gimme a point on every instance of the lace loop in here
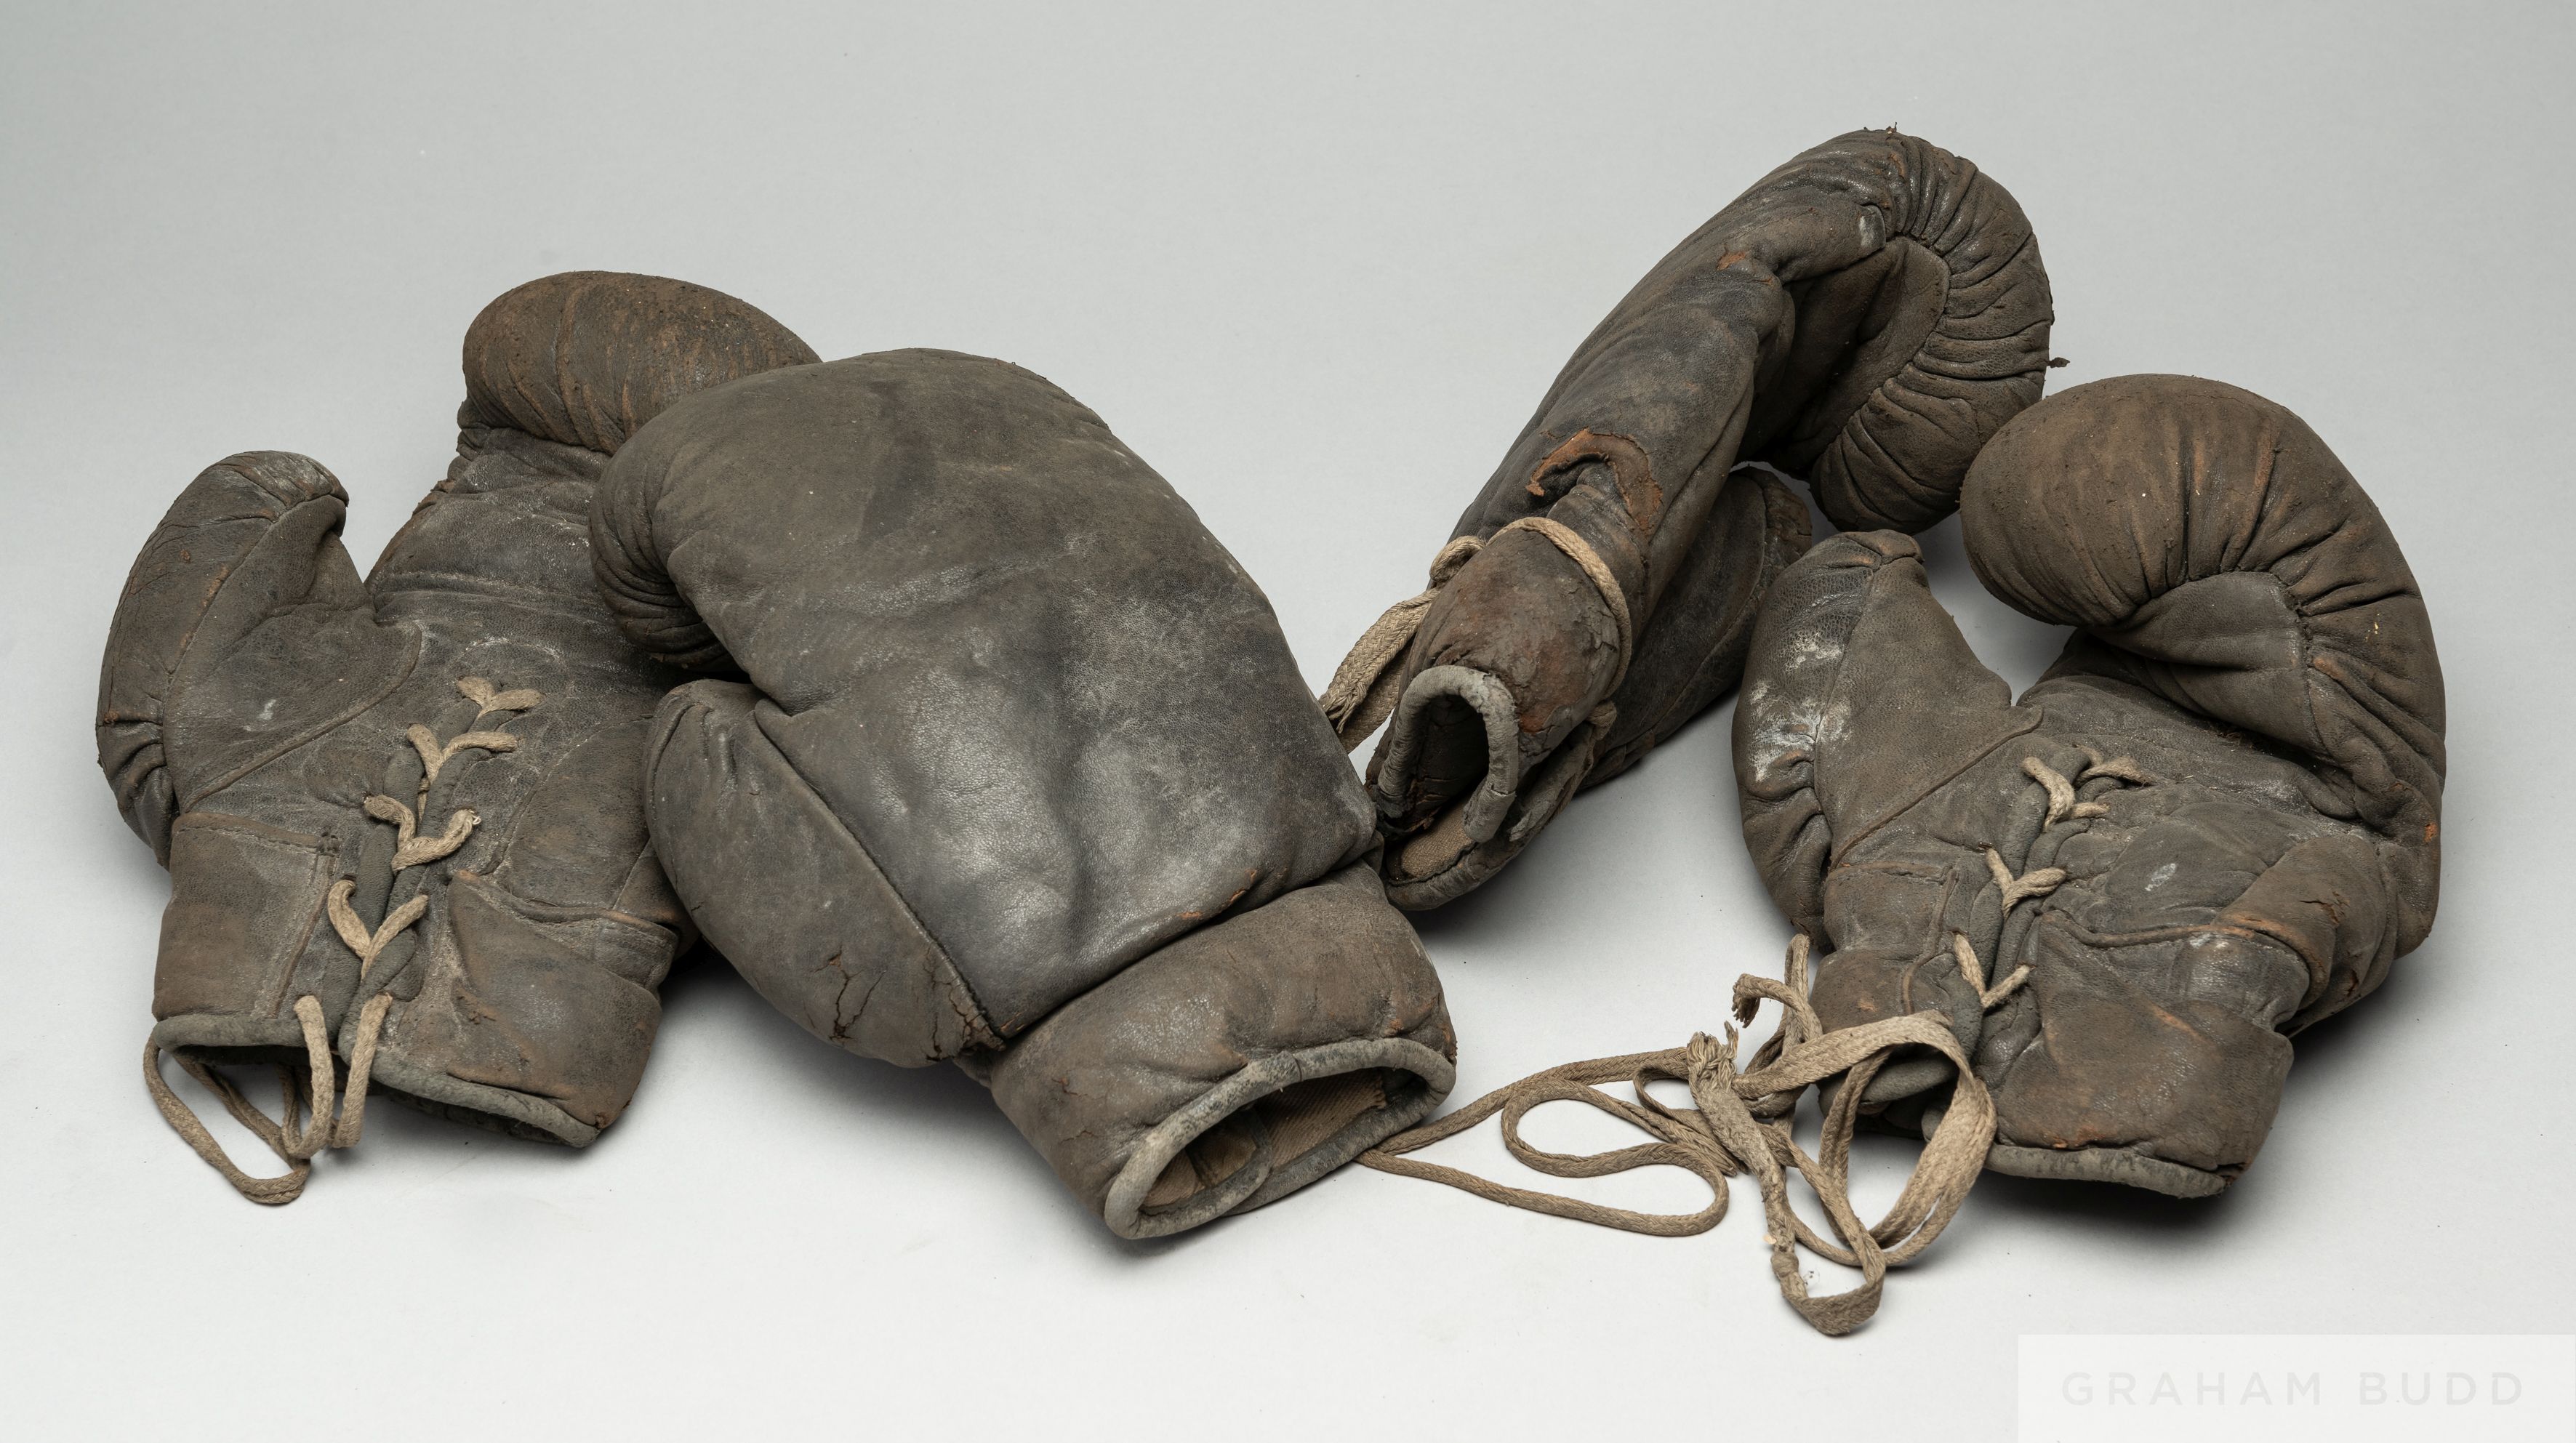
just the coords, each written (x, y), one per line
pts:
(1742, 1117)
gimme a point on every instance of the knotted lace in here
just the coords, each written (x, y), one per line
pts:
(1742, 1119)
(296, 1143)
(1741, 1124)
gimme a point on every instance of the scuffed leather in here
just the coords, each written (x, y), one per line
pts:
(1324, 987)
(1865, 317)
(255, 691)
(1012, 726)
(2250, 638)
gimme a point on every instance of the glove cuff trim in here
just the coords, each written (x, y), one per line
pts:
(478, 1105)
(1428, 1074)
(2107, 1164)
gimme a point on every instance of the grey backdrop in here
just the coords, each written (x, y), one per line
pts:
(1316, 267)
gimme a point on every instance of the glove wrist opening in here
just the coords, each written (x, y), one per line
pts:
(1270, 1129)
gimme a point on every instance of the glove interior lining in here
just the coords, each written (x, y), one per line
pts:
(1271, 1128)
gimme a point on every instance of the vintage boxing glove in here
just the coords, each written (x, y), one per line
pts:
(2214, 821)
(403, 817)
(1023, 776)
(1865, 317)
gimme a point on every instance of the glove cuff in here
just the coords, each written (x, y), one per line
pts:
(524, 1018)
(1237, 1064)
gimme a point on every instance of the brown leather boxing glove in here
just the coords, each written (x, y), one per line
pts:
(2214, 821)
(1020, 775)
(1865, 317)
(403, 816)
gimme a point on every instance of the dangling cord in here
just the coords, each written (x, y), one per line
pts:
(1742, 1119)
(292, 1148)
(322, 1096)
(1363, 691)
(1741, 1124)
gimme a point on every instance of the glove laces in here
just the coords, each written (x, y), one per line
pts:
(1741, 1124)
(1742, 1116)
(294, 1136)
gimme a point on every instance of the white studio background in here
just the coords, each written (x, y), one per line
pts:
(1316, 265)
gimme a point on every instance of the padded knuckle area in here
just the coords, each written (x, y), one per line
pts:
(285, 476)
(1938, 340)
(585, 358)
(2217, 554)
(2101, 499)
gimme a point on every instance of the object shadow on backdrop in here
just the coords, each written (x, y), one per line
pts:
(928, 1102)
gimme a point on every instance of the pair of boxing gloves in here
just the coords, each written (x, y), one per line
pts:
(1000, 759)
(996, 757)
(2213, 822)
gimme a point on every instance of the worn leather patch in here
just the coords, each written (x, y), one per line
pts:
(244, 898)
(539, 1005)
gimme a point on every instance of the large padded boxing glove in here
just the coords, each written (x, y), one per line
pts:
(2214, 821)
(1864, 317)
(403, 817)
(1023, 776)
